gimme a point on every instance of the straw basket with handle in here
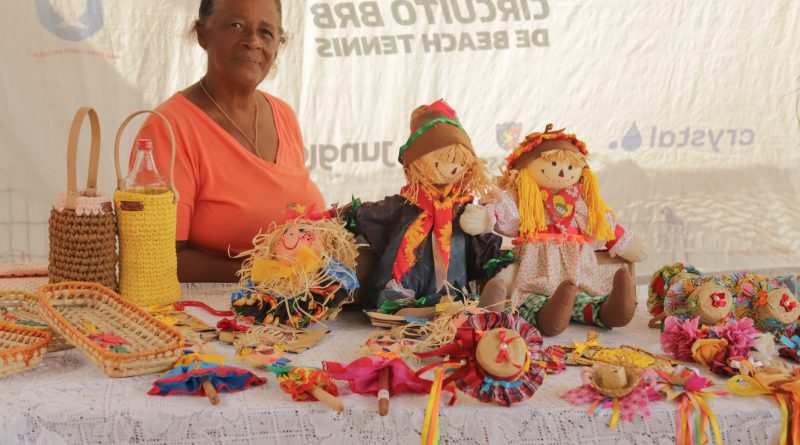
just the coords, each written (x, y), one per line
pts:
(148, 268)
(83, 233)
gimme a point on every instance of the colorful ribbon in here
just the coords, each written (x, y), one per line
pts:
(181, 305)
(488, 382)
(430, 427)
(780, 386)
(791, 343)
(695, 420)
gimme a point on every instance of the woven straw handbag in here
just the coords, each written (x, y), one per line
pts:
(119, 337)
(83, 233)
(148, 266)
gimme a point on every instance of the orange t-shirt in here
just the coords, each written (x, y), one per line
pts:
(227, 194)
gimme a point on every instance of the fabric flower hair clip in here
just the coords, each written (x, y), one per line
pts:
(717, 347)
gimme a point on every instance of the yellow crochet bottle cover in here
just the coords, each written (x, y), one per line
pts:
(148, 263)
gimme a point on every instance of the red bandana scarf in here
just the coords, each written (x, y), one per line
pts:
(436, 216)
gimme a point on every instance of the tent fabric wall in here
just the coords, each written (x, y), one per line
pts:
(689, 109)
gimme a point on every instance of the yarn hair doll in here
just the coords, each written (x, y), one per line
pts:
(548, 200)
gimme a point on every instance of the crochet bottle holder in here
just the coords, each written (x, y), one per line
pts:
(147, 227)
(82, 229)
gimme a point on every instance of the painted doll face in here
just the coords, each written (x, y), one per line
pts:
(386, 344)
(293, 238)
(555, 172)
(261, 354)
(446, 166)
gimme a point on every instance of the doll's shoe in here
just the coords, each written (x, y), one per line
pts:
(494, 295)
(554, 316)
(621, 304)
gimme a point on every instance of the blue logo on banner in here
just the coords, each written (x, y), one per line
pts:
(72, 20)
(631, 141)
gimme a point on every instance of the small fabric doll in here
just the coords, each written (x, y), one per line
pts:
(382, 372)
(304, 384)
(297, 273)
(423, 251)
(549, 201)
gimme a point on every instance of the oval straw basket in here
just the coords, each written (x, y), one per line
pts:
(21, 308)
(119, 337)
(21, 348)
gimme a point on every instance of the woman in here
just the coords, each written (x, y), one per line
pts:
(240, 158)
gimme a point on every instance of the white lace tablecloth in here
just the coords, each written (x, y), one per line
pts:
(68, 400)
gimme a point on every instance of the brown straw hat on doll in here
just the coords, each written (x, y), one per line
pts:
(539, 142)
(432, 127)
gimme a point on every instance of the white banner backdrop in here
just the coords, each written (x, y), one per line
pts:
(689, 109)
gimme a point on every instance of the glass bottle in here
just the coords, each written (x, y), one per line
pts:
(144, 177)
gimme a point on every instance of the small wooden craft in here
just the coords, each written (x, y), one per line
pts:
(21, 308)
(119, 337)
(21, 348)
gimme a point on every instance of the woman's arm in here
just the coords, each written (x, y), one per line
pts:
(198, 266)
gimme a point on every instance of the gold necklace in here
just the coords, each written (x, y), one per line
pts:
(253, 142)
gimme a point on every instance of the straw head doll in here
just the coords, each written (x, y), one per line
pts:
(297, 273)
(423, 252)
(549, 201)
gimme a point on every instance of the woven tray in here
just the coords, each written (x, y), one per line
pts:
(119, 337)
(18, 307)
(21, 348)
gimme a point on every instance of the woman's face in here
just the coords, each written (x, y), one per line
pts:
(241, 38)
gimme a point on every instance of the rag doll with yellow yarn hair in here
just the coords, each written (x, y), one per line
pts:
(549, 201)
(423, 253)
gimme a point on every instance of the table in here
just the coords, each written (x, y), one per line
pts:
(68, 400)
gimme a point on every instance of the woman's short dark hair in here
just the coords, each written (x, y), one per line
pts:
(207, 7)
